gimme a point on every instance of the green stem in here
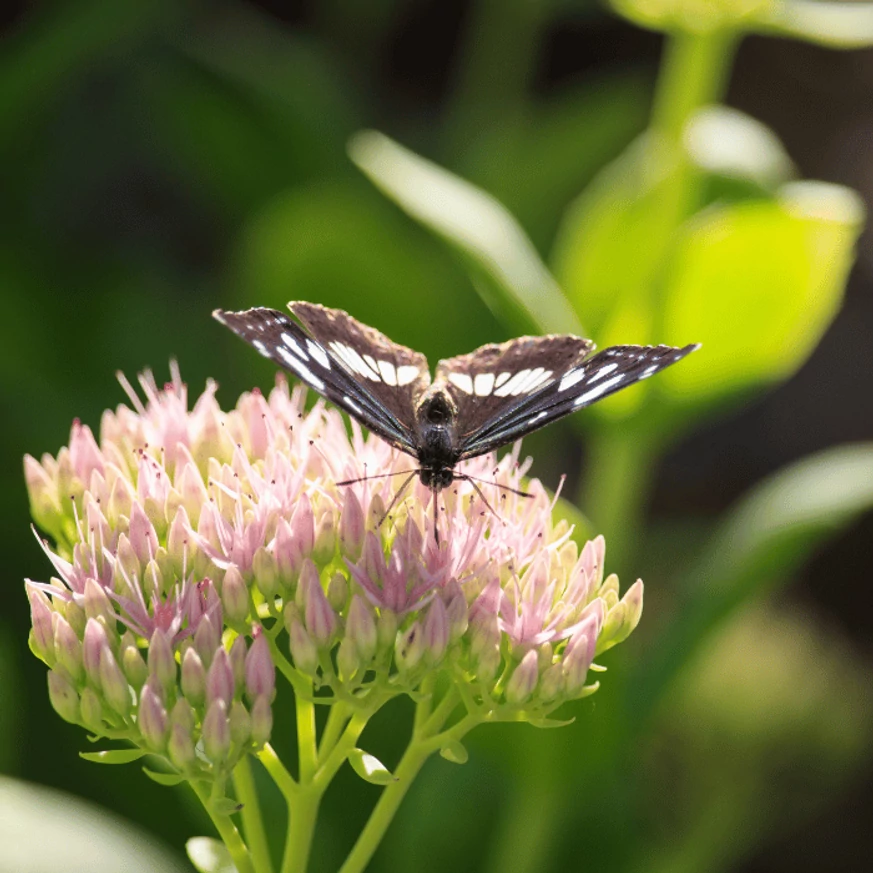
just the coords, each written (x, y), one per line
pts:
(347, 741)
(383, 813)
(230, 836)
(279, 773)
(253, 823)
(302, 817)
(337, 719)
(306, 739)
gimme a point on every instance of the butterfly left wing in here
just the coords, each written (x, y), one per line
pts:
(566, 389)
(278, 337)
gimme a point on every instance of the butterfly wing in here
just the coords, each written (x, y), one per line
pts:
(566, 389)
(313, 360)
(489, 382)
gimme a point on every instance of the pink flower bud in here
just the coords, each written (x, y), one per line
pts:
(240, 723)
(161, 660)
(351, 527)
(143, 538)
(152, 719)
(63, 697)
(321, 620)
(457, 616)
(523, 681)
(303, 651)
(386, 629)
(183, 715)
(181, 748)
(436, 630)
(303, 525)
(237, 656)
(260, 671)
(288, 554)
(551, 683)
(193, 677)
(265, 572)
(68, 649)
(129, 566)
(216, 732)
(361, 628)
(190, 485)
(219, 679)
(75, 615)
(93, 646)
(262, 721)
(43, 633)
(85, 454)
(180, 546)
(116, 691)
(235, 596)
(96, 602)
(120, 502)
(207, 638)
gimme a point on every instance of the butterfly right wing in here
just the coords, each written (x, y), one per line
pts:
(285, 343)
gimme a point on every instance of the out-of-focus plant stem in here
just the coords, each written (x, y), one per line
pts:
(253, 823)
(694, 74)
(495, 65)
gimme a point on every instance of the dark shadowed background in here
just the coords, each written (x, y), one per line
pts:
(160, 159)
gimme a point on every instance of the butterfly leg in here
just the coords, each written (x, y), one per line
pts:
(472, 479)
(377, 476)
(478, 490)
(396, 497)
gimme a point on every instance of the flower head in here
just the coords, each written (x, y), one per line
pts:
(195, 549)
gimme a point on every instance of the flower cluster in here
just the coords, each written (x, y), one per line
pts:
(197, 551)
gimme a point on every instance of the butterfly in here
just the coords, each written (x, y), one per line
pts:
(476, 403)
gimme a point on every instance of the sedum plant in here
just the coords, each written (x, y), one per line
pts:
(199, 554)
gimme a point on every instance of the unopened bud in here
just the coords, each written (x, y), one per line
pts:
(262, 721)
(436, 630)
(409, 648)
(216, 732)
(386, 629)
(325, 538)
(181, 747)
(523, 681)
(92, 710)
(93, 646)
(152, 719)
(266, 573)
(338, 591)
(63, 696)
(351, 527)
(116, 691)
(303, 650)
(193, 677)
(240, 723)
(361, 628)
(260, 673)
(235, 596)
(161, 661)
(347, 660)
(68, 649)
(219, 679)
(43, 642)
(96, 602)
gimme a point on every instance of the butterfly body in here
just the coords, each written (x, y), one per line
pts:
(476, 403)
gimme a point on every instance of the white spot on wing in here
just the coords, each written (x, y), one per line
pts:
(598, 390)
(483, 384)
(605, 370)
(301, 369)
(318, 353)
(502, 378)
(261, 348)
(511, 386)
(649, 371)
(462, 381)
(406, 374)
(293, 345)
(389, 374)
(571, 377)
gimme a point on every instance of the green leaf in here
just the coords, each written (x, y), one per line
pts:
(757, 283)
(548, 723)
(209, 855)
(770, 533)
(604, 255)
(837, 25)
(508, 271)
(369, 768)
(168, 779)
(456, 752)
(113, 756)
(726, 142)
(83, 836)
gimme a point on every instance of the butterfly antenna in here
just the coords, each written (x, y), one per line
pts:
(377, 476)
(396, 497)
(472, 479)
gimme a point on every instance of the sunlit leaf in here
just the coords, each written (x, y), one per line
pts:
(724, 141)
(168, 779)
(518, 286)
(757, 284)
(46, 831)
(209, 855)
(369, 768)
(834, 24)
(113, 756)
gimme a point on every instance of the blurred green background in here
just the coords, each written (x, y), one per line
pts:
(162, 158)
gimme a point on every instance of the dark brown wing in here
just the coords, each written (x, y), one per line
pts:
(395, 375)
(493, 379)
